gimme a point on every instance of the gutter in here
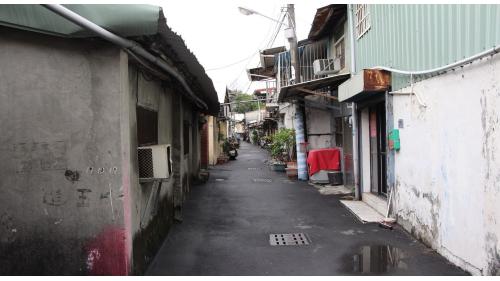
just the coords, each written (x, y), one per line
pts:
(491, 51)
(128, 45)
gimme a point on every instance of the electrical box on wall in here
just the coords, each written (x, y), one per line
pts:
(394, 143)
(154, 162)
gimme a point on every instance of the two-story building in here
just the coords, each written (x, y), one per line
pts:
(425, 91)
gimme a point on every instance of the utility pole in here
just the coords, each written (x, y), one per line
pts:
(291, 34)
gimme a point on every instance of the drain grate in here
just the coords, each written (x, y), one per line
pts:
(288, 239)
(262, 180)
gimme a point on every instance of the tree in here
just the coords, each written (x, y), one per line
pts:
(242, 107)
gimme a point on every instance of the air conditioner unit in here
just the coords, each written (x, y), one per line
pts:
(154, 162)
(326, 66)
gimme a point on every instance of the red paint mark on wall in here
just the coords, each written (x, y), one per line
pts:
(106, 254)
(373, 124)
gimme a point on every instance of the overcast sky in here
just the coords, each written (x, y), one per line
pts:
(219, 35)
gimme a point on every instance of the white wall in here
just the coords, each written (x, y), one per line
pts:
(448, 168)
(289, 120)
(365, 151)
(320, 133)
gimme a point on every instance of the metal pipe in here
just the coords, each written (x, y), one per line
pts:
(491, 51)
(354, 112)
(355, 152)
(351, 39)
(126, 44)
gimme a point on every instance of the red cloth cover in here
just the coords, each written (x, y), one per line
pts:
(323, 159)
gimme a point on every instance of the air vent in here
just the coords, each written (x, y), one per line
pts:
(326, 66)
(154, 162)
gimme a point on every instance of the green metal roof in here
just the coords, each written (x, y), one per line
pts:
(122, 20)
(125, 20)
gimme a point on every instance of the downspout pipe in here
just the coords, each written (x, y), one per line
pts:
(126, 44)
(354, 111)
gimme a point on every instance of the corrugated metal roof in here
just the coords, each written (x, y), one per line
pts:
(289, 92)
(325, 20)
(125, 21)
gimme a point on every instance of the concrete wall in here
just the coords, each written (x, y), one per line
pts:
(213, 140)
(319, 124)
(151, 207)
(289, 116)
(61, 192)
(448, 168)
(70, 198)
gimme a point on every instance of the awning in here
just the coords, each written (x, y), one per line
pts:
(307, 88)
(260, 73)
(325, 20)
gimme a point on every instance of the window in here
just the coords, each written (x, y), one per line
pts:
(362, 19)
(147, 126)
(340, 51)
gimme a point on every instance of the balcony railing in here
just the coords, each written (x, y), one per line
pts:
(308, 53)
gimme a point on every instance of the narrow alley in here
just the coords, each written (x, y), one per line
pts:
(227, 223)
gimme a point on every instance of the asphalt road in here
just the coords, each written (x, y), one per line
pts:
(228, 220)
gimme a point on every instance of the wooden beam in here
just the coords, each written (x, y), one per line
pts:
(316, 94)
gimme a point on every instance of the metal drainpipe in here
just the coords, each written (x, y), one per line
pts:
(126, 44)
(355, 145)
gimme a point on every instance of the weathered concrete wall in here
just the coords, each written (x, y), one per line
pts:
(213, 140)
(151, 207)
(288, 111)
(448, 168)
(61, 192)
(319, 127)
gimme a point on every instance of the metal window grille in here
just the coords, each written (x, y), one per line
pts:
(362, 16)
(145, 163)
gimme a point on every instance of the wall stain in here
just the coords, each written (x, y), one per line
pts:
(72, 176)
(54, 198)
(493, 254)
(83, 200)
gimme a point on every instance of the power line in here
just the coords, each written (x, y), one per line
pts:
(231, 64)
(270, 29)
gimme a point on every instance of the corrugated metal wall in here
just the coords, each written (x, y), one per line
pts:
(418, 37)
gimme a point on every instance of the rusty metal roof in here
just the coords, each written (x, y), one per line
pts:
(302, 89)
(325, 19)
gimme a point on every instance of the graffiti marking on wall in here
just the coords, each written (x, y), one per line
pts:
(54, 197)
(83, 200)
(40, 156)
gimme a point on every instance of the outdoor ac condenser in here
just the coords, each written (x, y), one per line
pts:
(326, 66)
(154, 162)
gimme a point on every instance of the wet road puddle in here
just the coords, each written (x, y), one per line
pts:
(378, 259)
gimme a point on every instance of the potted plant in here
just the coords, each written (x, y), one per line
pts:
(255, 137)
(282, 145)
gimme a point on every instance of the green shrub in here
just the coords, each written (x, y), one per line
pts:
(283, 144)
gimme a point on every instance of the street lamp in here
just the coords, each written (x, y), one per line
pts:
(248, 12)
